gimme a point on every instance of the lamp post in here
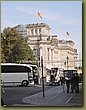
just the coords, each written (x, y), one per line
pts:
(67, 62)
(42, 76)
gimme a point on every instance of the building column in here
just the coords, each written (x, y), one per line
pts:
(52, 57)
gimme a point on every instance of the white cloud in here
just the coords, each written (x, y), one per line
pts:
(49, 15)
(59, 17)
(27, 10)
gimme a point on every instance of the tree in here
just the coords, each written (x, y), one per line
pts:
(14, 47)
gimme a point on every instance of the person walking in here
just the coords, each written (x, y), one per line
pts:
(73, 83)
(77, 83)
(61, 80)
(67, 84)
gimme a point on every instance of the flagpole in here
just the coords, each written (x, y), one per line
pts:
(67, 34)
(39, 16)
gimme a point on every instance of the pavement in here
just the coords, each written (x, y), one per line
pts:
(55, 96)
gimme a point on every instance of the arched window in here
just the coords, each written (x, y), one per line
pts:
(32, 31)
(35, 31)
(40, 31)
(48, 53)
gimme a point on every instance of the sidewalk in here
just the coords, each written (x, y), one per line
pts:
(54, 97)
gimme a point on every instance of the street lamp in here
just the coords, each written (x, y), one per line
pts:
(67, 61)
(42, 76)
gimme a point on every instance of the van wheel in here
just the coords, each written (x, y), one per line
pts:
(24, 83)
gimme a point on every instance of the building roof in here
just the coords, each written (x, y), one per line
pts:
(38, 25)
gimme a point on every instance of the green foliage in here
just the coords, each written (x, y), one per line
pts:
(14, 48)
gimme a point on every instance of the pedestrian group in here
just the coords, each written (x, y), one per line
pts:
(73, 82)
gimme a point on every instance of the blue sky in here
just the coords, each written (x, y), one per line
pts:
(61, 16)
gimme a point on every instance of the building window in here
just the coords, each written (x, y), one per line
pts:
(32, 31)
(40, 31)
(48, 53)
(35, 31)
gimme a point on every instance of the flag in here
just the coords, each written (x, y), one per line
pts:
(39, 14)
(67, 33)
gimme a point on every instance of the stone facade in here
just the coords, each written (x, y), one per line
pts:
(53, 50)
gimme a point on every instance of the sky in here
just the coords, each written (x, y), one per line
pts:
(61, 16)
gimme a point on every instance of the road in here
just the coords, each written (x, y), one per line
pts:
(14, 95)
(25, 96)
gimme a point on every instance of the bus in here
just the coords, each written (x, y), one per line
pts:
(35, 71)
(16, 74)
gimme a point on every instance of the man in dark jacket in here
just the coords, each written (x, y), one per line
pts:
(77, 82)
(73, 83)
